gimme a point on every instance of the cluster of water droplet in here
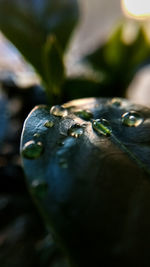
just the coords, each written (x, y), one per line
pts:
(33, 149)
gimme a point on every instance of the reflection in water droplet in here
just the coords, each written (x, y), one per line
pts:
(58, 111)
(102, 126)
(39, 188)
(132, 119)
(49, 124)
(63, 163)
(116, 102)
(32, 150)
(75, 131)
(84, 114)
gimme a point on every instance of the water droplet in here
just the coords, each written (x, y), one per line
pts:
(116, 102)
(39, 188)
(36, 135)
(60, 143)
(32, 150)
(75, 130)
(49, 124)
(84, 114)
(102, 126)
(63, 163)
(58, 111)
(132, 119)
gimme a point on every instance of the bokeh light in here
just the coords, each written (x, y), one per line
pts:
(138, 9)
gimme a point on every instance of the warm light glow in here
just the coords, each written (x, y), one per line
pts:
(139, 9)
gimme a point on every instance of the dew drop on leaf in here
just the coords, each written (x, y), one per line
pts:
(36, 135)
(75, 130)
(39, 188)
(49, 124)
(102, 126)
(60, 143)
(58, 111)
(32, 150)
(116, 102)
(132, 119)
(63, 163)
(84, 114)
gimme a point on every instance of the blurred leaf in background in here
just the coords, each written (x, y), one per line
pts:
(28, 25)
(53, 65)
(41, 31)
(119, 58)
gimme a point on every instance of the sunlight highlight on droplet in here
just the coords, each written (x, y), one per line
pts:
(138, 9)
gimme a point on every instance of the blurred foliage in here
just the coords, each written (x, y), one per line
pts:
(29, 25)
(41, 31)
(78, 87)
(54, 66)
(119, 60)
(115, 62)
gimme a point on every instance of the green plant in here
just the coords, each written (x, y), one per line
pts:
(86, 161)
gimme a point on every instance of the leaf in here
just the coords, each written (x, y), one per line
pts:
(54, 66)
(78, 87)
(119, 60)
(27, 24)
(91, 180)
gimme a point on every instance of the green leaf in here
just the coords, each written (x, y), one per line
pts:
(78, 87)
(91, 180)
(27, 24)
(54, 66)
(119, 60)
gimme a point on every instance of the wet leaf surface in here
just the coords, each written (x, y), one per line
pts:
(92, 181)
